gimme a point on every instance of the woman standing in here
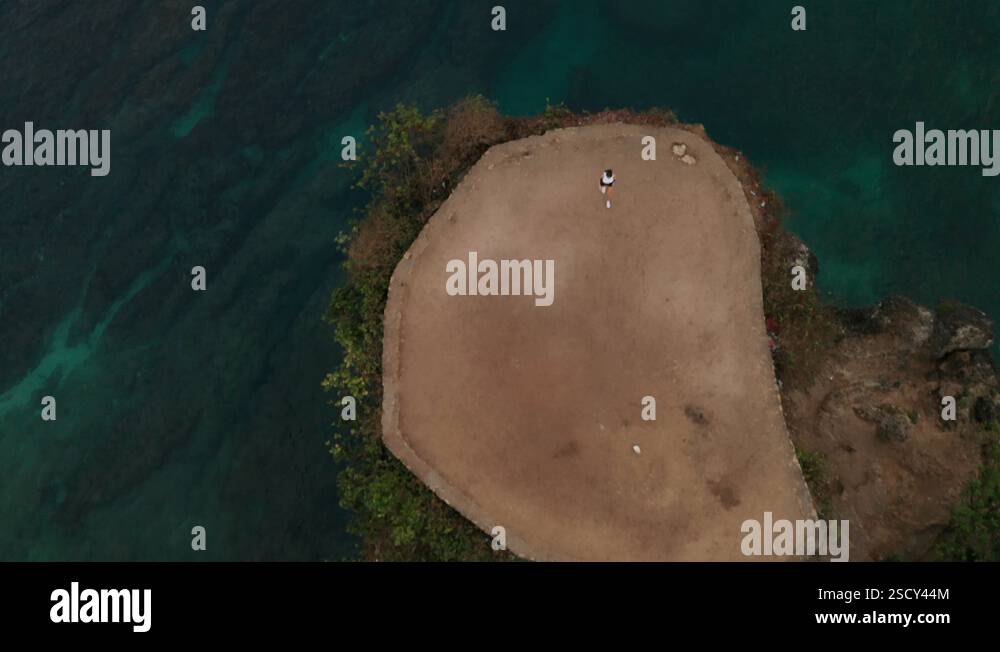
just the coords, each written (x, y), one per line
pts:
(608, 184)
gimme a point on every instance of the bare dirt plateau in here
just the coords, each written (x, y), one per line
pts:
(527, 416)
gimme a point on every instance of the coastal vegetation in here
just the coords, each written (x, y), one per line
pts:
(413, 162)
(803, 326)
(814, 472)
(974, 531)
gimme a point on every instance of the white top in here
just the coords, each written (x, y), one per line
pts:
(606, 180)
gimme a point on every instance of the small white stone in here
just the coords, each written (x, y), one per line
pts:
(688, 159)
(679, 149)
(636, 449)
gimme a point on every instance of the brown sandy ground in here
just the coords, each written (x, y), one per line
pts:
(526, 416)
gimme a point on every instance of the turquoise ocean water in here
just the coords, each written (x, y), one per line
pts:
(178, 409)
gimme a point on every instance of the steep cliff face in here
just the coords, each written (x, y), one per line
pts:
(887, 459)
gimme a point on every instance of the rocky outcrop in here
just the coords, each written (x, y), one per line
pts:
(958, 327)
(803, 255)
(892, 466)
(891, 422)
(894, 314)
(971, 378)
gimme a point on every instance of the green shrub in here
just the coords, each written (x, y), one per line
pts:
(813, 467)
(974, 531)
(808, 327)
(556, 115)
(395, 516)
